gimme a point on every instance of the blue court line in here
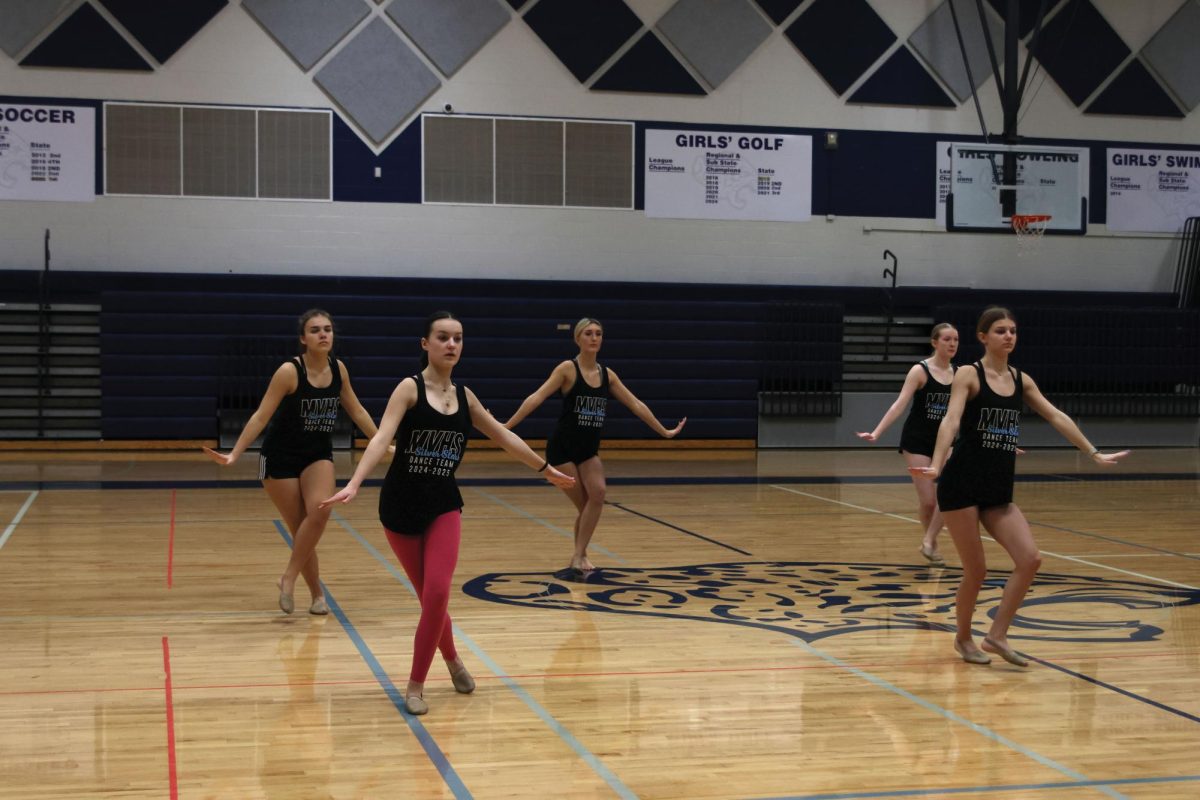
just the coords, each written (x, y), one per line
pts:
(440, 762)
(727, 480)
(12, 526)
(629, 510)
(1114, 540)
(953, 717)
(1016, 787)
(569, 534)
(615, 783)
(1105, 685)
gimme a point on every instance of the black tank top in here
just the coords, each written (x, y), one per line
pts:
(420, 484)
(303, 422)
(986, 451)
(584, 407)
(928, 407)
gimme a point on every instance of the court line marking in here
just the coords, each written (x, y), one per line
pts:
(609, 777)
(424, 738)
(12, 526)
(1016, 787)
(172, 772)
(700, 536)
(984, 731)
(1115, 540)
(990, 539)
(569, 534)
(1118, 690)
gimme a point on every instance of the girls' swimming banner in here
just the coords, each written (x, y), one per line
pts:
(1152, 190)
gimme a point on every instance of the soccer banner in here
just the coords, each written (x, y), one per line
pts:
(47, 152)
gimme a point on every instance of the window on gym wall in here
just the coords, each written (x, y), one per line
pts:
(227, 152)
(527, 162)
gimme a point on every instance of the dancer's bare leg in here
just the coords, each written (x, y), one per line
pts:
(964, 530)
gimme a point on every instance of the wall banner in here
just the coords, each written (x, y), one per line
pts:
(47, 152)
(1152, 190)
(728, 175)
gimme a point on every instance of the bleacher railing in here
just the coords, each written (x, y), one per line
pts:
(801, 360)
(1187, 269)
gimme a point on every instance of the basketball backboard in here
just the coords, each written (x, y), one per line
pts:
(991, 182)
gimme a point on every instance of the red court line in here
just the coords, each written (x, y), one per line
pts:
(171, 541)
(172, 775)
(558, 675)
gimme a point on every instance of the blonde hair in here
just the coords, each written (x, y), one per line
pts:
(583, 323)
(937, 330)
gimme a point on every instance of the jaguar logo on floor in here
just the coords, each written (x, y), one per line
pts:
(813, 600)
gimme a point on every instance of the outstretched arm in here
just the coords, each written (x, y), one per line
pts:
(514, 445)
(558, 381)
(283, 383)
(964, 387)
(913, 381)
(404, 397)
(1065, 425)
(354, 408)
(640, 409)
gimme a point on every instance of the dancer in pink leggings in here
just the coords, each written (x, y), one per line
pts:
(420, 505)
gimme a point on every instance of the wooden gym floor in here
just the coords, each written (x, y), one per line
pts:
(761, 627)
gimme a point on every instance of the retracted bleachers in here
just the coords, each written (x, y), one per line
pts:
(168, 362)
(1103, 361)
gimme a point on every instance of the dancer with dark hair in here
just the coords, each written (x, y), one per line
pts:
(574, 446)
(295, 465)
(976, 483)
(927, 385)
(420, 505)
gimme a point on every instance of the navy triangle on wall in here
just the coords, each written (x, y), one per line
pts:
(902, 81)
(85, 40)
(778, 10)
(1135, 93)
(648, 67)
(163, 28)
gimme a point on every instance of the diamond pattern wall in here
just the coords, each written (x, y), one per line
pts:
(583, 33)
(715, 36)
(841, 39)
(163, 28)
(449, 32)
(936, 41)
(307, 29)
(1175, 56)
(377, 80)
(24, 20)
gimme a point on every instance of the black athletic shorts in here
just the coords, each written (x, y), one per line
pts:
(278, 466)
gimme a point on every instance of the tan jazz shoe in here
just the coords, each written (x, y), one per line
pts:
(1007, 653)
(416, 705)
(972, 657)
(462, 680)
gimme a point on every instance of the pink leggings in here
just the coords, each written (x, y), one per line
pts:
(429, 561)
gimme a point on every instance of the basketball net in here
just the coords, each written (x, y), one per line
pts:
(1029, 229)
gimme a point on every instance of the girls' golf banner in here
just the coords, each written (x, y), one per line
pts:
(728, 175)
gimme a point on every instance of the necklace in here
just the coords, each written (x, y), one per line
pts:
(446, 394)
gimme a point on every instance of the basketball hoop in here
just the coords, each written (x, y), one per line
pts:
(1029, 229)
